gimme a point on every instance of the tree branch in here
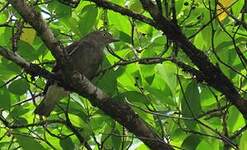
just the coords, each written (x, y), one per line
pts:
(213, 75)
(120, 111)
(32, 69)
(123, 11)
(36, 21)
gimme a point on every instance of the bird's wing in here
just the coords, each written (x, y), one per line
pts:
(72, 47)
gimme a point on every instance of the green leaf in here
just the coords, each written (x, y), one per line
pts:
(161, 91)
(5, 34)
(8, 69)
(124, 36)
(5, 101)
(235, 119)
(237, 7)
(156, 44)
(206, 35)
(142, 147)
(18, 111)
(243, 143)
(60, 9)
(108, 144)
(27, 51)
(206, 96)
(205, 144)
(108, 81)
(199, 41)
(191, 142)
(67, 144)
(76, 120)
(228, 56)
(179, 6)
(98, 122)
(119, 22)
(3, 17)
(221, 37)
(191, 106)
(167, 71)
(88, 18)
(148, 71)
(119, 2)
(134, 5)
(28, 143)
(73, 25)
(20, 121)
(18, 87)
(133, 96)
(116, 140)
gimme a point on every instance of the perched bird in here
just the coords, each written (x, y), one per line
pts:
(86, 57)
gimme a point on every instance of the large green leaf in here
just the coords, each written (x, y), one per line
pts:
(126, 80)
(60, 9)
(237, 7)
(67, 144)
(132, 96)
(161, 91)
(88, 18)
(28, 143)
(190, 103)
(18, 87)
(206, 96)
(234, 120)
(108, 81)
(5, 34)
(168, 72)
(8, 69)
(119, 22)
(191, 142)
(27, 51)
(18, 111)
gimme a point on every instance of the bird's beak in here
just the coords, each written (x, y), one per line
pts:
(115, 40)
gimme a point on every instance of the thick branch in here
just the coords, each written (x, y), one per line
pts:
(213, 75)
(36, 21)
(33, 69)
(123, 11)
(120, 111)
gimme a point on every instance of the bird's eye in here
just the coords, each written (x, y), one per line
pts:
(105, 34)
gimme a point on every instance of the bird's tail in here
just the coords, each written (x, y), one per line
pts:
(52, 96)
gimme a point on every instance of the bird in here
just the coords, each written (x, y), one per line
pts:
(86, 57)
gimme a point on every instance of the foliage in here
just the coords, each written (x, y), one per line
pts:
(176, 105)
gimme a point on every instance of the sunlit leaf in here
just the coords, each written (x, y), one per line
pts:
(243, 143)
(88, 18)
(28, 35)
(222, 7)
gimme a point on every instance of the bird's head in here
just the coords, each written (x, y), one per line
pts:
(103, 37)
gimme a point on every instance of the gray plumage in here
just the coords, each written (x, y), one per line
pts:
(86, 56)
